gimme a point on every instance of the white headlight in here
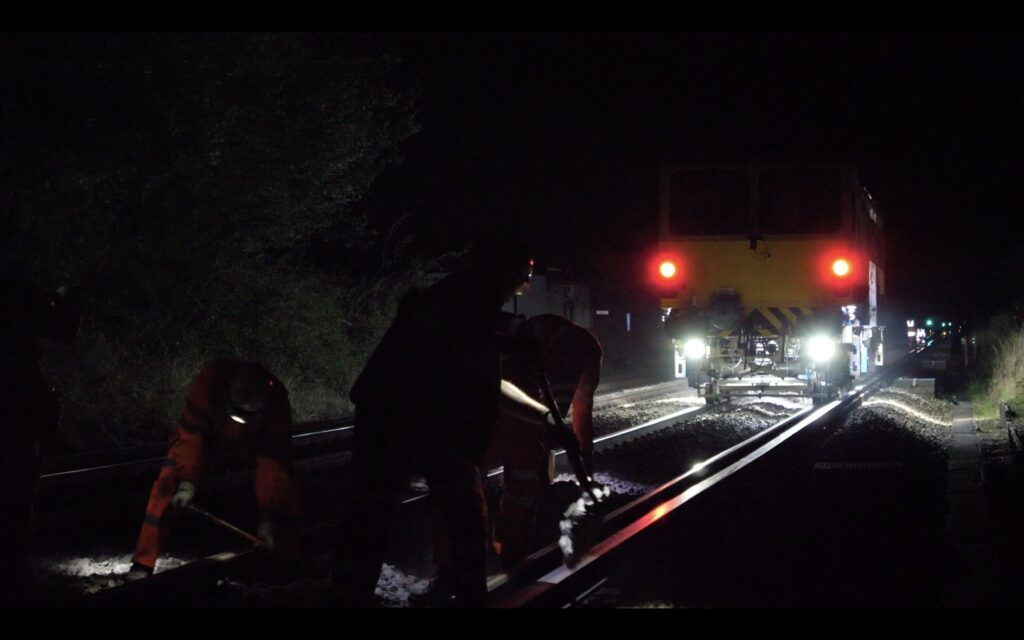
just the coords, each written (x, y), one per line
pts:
(694, 348)
(821, 348)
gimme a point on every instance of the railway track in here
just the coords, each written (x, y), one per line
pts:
(233, 563)
(105, 484)
(314, 435)
(543, 581)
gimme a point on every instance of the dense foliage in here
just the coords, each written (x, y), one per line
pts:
(179, 183)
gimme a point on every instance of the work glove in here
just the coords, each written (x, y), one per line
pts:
(183, 495)
(267, 531)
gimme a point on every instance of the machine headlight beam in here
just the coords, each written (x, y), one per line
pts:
(821, 348)
(694, 349)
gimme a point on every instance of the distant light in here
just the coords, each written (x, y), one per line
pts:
(238, 418)
(667, 269)
(841, 268)
(928, 322)
(601, 312)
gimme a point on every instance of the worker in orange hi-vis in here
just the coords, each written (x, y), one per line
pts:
(569, 357)
(233, 409)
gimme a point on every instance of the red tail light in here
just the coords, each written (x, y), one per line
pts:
(665, 273)
(840, 271)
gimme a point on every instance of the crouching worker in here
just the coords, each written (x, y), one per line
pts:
(233, 409)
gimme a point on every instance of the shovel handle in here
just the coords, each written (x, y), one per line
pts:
(225, 525)
(566, 436)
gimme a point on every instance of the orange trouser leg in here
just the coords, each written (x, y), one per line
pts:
(155, 526)
(524, 456)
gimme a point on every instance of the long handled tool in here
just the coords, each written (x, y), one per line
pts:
(581, 521)
(223, 524)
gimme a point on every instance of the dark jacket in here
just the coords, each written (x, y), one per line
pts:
(435, 377)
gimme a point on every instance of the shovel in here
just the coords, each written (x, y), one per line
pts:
(581, 521)
(223, 524)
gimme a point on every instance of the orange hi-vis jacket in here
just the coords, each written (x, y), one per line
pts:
(205, 435)
(571, 359)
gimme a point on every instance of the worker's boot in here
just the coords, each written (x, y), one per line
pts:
(138, 572)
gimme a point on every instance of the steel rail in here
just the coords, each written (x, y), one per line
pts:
(544, 581)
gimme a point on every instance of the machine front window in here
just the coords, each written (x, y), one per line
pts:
(709, 202)
(802, 200)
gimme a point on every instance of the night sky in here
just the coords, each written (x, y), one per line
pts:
(560, 136)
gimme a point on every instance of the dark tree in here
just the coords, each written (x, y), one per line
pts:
(178, 181)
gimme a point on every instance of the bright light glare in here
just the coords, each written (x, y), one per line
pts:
(667, 269)
(694, 348)
(840, 267)
(821, 348)
(238, 419)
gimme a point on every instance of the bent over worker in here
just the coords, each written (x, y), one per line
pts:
(569, 358)
(233, 409)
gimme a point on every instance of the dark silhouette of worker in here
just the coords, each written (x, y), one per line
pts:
(427, 400)
(234, 410)
(28, 413)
